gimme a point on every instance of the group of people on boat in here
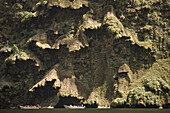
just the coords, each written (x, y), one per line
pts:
(30, 106)
(33, 106)
(74, 106)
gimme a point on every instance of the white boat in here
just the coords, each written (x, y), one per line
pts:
(29, 107)
(48, 107)
(160, 107)
(74, 107)
(103, 107)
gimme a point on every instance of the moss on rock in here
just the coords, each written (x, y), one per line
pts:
(110, 52)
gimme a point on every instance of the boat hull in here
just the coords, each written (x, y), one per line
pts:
(103, 108)
(24, 107)
(74, 107)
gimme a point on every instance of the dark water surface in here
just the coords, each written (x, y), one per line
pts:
(118, 110)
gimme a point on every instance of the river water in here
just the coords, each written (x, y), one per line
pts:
(88, 110)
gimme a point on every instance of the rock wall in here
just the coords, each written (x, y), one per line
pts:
(110, 53)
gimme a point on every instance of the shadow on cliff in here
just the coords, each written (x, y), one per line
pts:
(44, 95)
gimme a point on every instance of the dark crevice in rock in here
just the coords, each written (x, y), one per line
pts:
(43, 95)
(68, 101)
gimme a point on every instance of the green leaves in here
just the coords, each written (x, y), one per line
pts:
(139, 96)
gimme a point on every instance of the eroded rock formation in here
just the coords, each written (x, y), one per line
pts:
(113, 52)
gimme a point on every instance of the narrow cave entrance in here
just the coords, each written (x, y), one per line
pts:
(68, 100)
(73, 101)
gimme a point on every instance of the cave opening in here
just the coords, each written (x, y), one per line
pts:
(68, 100)
(44, 93)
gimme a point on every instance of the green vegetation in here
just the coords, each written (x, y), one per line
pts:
(102, 52)
(138, 96)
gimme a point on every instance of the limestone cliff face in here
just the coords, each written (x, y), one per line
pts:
(104, 52)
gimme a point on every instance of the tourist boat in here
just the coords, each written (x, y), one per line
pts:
(74, 107)
(48, 107)
(103, 107)
(29, 107)
(160, 107)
